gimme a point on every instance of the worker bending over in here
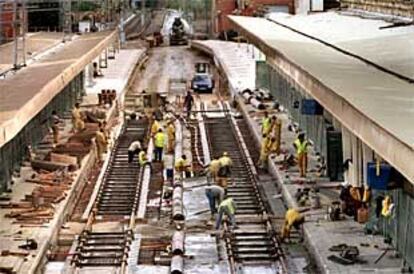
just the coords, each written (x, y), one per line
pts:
(225, 170)
(215, 195)
(292, 219)
(171, 137)
(142, 158)
(213, 169)
(159, 143)
(182, 165)
(134, 148)
(227, 207)
(101, 143)
(77, 119)
(301, 146)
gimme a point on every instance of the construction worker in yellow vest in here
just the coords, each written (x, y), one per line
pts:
(225, 170)
(227, 207)
(101, 143)
(264, 151)
(142, 158)
(171, 137)
(77, 119)
(155, 127)
(182, 165)
(266, 125)
(159, 143)
(301, 146)
(292, 219)
(276, 133)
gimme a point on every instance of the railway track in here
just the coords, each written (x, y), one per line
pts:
(254, 241)
(117, 200)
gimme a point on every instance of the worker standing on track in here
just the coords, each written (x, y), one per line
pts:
(159, 143)
(188, 103)
(266, 125)
(227, 207)
(225, 170)
(155, 127)
(215, 195)
(292, 219)
(142, 158)
(77, 119)
(276, 133)
(101, 143)
(181, 165)
(134, 148)
(171, 137)
(301, 146)
(169, 166)
(55, 126)
(264, 152)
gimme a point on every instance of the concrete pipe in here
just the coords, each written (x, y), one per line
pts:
(178, 212)
(178, 192)
(177, 265)
(178, 243)
(256, 103)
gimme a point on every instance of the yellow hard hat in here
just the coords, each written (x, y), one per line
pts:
(225, 154)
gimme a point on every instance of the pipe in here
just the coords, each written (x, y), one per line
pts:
(177, 204)
(146, 177)
(178, 243)
(177, 265)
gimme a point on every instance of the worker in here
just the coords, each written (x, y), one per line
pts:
(292, 219)
(104, 126)
(301, 146)
(266, 124)
(227, 207)
(77, 119)
(264, 151)
(168, 162)
(188, 103)
(55, 126)
(101, 143)
(214, 168)
(171, 136)
(159, 143)
(155, 127)
(181, 165)
(134, 148)
(276, 133)
(215, 195)
(225, 170)
(142, 158)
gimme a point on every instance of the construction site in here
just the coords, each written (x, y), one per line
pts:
(206, 136)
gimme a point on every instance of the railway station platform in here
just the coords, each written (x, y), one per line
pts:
(14, 233)
(36, 44)
(320, 234)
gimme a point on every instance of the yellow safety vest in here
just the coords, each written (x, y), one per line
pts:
(301, 147)
(291, 216)
(180, 163)
(171, 131)
(159, 139)
(228, 203)
(266, 125)
(142, 158)
(214, 166)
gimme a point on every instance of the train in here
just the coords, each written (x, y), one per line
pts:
(178, 35)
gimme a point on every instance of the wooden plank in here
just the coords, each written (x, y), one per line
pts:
(48, 165)
(62, 158)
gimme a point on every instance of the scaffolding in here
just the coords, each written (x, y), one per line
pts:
(13, 14)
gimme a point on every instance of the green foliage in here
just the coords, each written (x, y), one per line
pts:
(85, 6)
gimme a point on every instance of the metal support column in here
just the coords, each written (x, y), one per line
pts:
(67, 19)
(19, 33)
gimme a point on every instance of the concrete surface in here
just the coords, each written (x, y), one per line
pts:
(27, 92)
